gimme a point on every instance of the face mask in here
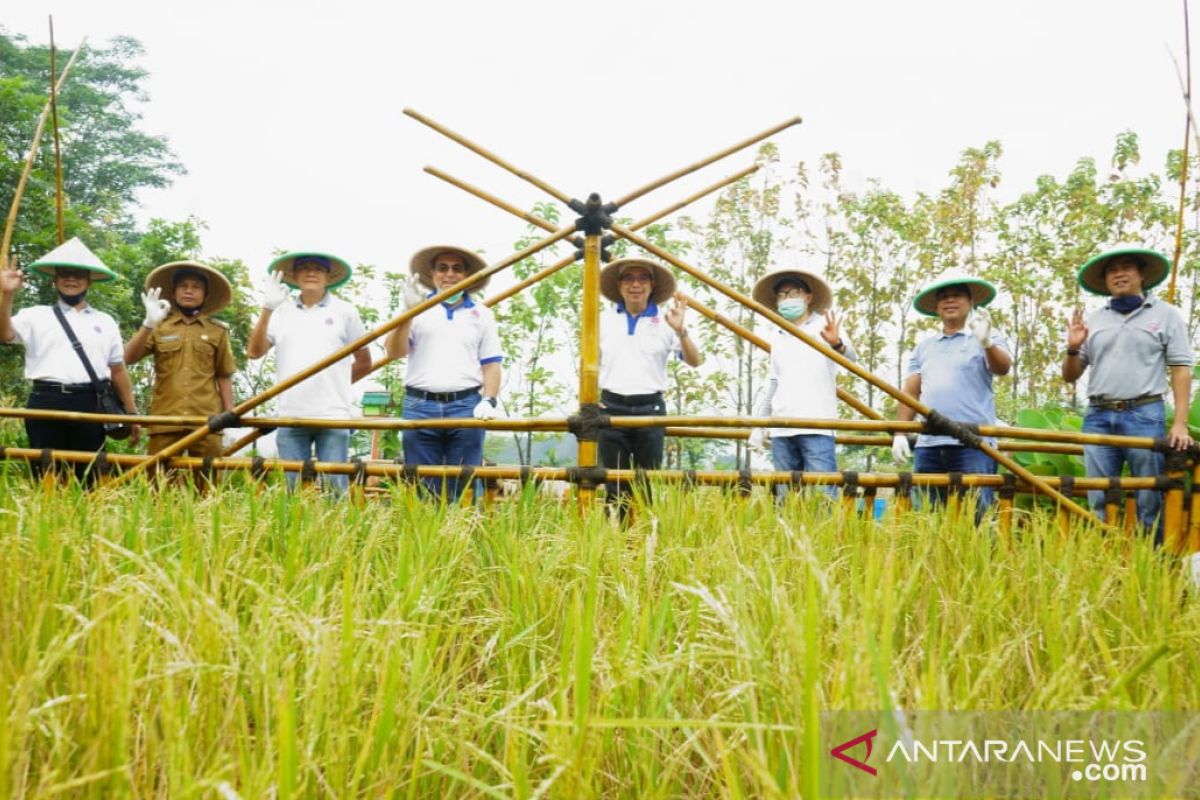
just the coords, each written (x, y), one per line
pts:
(453, 299)
(73, 299)
(793, 308)
(1124, 305)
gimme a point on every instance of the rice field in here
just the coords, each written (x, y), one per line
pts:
(158, 642)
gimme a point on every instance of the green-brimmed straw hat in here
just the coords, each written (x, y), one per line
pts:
(285, 265)
(981, 291)
(421, 264)
(74, 254)
(1155, 268)
(216, 296)
(822, 295)
(610, 279)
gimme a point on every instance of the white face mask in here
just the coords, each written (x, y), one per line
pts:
(454, 298)
(793, 308)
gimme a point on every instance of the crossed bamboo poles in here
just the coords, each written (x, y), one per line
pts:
(590, 351)
(592, 243)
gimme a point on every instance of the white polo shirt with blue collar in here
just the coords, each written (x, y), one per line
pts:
(448, 346)
(955, 380)
(634, 350)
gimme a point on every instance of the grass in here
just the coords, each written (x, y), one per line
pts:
(248, 644)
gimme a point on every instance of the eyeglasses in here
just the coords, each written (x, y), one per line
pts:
(77, 274)
(789, 294)
(442, 269)
(636, 277)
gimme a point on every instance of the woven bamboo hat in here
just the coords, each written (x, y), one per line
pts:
(610, 279)
(981, 291)
(218, 294)
(285, 265)
(822, 295)
(73, 254)
(421, 264)
(1155, 267)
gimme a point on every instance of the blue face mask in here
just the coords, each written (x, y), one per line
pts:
(793, 308)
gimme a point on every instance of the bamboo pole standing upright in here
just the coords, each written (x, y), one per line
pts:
(589, 354)
(59, 217)
(1183, 164)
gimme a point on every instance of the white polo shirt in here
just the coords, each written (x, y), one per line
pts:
(807, 378)
(634, 350)
(303, 336)
(447, 347)
(48, 352)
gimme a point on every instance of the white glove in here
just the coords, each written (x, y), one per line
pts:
(901, 452)
(758, 439)
(156, 309)
(414, 292)
(485, 410)
(981, 327)
(276, 292)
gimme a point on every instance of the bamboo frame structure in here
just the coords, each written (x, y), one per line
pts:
(59, 217)
(11, 222)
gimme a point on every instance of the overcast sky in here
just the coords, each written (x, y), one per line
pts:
(288, 115)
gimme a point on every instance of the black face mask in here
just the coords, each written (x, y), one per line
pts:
(73, 299)
(189, 312)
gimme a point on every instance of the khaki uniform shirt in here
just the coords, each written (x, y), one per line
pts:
(190, 353)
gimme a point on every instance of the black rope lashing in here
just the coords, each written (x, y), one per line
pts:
(1176, 460)
(219, 422)
(1113, 495)
(258, 468)
(207, 472)
(1066, 485)
(1165, 483)
(797, 479)
(3, 452)
(595, 216)
(937, 424)
(904, 484)
(587, 477)
(587, 424)
(308, 471)
(46, 460)
(360, 472)
(849, 484)
(1008, 486)
(956, 483)
(526, 475)
(410, 473)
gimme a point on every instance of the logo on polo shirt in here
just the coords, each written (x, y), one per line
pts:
(654, 320)
(96, 328)
(329, 320)
(1154, 327)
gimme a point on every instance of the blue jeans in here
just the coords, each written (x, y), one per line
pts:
(1102, 461)
(332, 444)
(807, 452)
(443, 446)
(955, 458)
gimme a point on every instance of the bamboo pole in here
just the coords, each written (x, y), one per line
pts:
(1193, 539)
(829, 352)
(1183, 165)
(11, 222)
(362, 341)
(707, 312)
(589, 355)
(1004, 510)
(58, 174)
(1174, 533)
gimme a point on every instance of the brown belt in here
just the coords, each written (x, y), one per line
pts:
(1124, 405)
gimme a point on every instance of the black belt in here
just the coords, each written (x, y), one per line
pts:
(630, 399)
(1124, 405)
(439, 397)
(68, 388)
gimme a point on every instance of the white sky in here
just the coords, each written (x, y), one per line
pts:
(288, 115)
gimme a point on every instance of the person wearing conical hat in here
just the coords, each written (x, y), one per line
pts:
(638, 336)
(193, 358)
(304, 329)
(1131, 344)
(60, 380)
(801, 382)
(454, 363)
(951, 372)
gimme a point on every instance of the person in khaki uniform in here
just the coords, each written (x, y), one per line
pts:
(193, 359)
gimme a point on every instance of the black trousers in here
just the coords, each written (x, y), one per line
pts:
(631, 448)
(57, 434)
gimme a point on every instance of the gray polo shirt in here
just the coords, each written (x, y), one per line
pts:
(1129, 353)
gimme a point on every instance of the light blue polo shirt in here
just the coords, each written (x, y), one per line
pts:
(955, 380)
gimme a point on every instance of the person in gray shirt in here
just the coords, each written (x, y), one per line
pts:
(1131, 343)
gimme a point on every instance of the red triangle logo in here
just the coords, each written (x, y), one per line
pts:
(840, 752)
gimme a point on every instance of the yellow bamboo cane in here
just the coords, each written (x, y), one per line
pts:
(11, 222)
(829, 352)
(58, 174)
(357, 344)
(589, 355)
(1183, 165)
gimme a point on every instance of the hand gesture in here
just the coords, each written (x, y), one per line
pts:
(981, 327)
(156, 309)
(11, 278)
(1077, 331)
(414, 292)
(830, 332)
(676, 311)
(901, 451)
(1178, 437)
(276, 292)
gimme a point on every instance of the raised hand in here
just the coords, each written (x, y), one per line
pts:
(414, 292)
(156, 308)
(276, 292)
(676, 311)
(981, 327)
(830, 332)
(1077, 330)
(11, 278)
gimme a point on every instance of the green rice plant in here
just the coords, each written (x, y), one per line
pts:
(164, 642)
